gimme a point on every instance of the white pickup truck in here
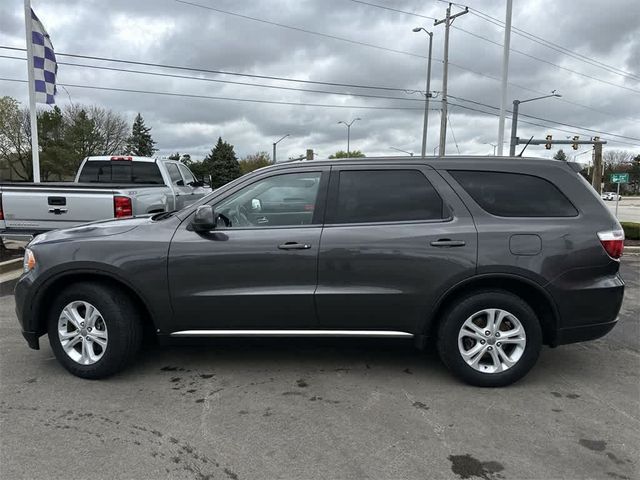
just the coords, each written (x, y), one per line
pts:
(104, 187)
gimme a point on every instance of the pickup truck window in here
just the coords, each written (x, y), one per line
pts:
(120, 171)
(186, 174)
(174, 173)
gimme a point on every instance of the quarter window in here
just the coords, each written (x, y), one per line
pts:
(366, 196)
(514, 194)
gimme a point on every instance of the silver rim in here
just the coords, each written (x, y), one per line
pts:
(492, 340)
(82, 332)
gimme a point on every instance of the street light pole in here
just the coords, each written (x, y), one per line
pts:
(514, 120)
(494, 147)
(349, 132)
(274, 147)
(427, 93)
(403, 151)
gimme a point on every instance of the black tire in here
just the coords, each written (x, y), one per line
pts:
(122, 320)
(455, 317)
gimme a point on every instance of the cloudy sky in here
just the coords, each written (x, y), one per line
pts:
(593, 62)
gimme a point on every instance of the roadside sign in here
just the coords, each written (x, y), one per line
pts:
(619, 178)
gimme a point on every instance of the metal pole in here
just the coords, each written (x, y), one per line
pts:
(274, 152)
(617, 198)
(426, 98)
(505, 75)
(445, 73)
(348, 138)
(35, 155)
(514, 128)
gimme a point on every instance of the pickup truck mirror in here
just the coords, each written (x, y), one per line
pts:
(204, 219)
(180, 183)
(196, 183)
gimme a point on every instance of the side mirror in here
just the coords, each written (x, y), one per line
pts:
(204, 219)
(256, 205)
(196, 184)
(180, 183)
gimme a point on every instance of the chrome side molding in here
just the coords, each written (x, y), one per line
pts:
(292, 333)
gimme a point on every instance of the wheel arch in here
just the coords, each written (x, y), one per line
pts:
(48, 291)
(534, 294)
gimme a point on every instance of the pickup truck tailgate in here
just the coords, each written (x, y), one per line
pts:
(50, 208)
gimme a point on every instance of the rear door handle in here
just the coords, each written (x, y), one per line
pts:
(445, 242)
(294, 246)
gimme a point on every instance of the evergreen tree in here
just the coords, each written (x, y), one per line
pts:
(222, 164)
(560, 155)
(140, 142)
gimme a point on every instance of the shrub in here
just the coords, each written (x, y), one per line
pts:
(631, 230)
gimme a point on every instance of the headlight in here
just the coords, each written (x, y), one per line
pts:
(29, 262)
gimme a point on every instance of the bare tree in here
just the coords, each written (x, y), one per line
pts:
(617, 157)
(15, 138)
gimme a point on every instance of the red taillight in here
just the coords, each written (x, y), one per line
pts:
(1, 211)
(121, 158)
(613, 242)
(122, 207)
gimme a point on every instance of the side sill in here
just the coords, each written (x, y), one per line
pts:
(291, 333)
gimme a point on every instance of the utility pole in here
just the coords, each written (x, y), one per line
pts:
(448, 20)
(428, 92)
(505, 75)
(597, 166)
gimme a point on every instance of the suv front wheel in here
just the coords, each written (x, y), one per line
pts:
(94, 329)
(490, 338)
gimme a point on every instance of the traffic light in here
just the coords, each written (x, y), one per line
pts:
(548, 144)
(575, 144)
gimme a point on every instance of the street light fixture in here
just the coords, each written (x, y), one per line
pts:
(349, 132)
(403, 151)
(494, 145)
(274, 146)
(428, 91)
(514, 119)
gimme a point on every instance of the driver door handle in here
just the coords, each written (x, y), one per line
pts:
(445, 242)
(294, 246)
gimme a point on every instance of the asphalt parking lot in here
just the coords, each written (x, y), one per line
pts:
(329, 409)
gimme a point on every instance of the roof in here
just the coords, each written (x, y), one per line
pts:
(465, 161)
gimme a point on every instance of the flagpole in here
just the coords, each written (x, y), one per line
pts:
(35, 156)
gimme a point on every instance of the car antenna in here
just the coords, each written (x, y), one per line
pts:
(525, 147)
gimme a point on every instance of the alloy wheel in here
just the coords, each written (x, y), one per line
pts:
(82, 332)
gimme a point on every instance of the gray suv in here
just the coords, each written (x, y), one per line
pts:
(488, 257)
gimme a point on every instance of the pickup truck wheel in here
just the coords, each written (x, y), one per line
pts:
(490, 339)
(94, 329)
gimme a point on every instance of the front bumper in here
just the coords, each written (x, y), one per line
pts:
(23, 294)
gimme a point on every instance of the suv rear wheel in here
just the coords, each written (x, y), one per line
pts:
(94, 329)
(490, 338)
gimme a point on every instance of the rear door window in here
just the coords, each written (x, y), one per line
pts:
(514, 194)
(174, 173)
(365, 196)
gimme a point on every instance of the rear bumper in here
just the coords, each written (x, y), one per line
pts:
(584, 333)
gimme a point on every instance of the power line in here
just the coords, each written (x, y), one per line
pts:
(172, 94)
(555, 46)
(533, 57)
(307, 90)
(219, 72)
(211, 97)
(205, 79)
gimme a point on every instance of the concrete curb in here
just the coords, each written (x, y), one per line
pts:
(10, 265)
(631, 250)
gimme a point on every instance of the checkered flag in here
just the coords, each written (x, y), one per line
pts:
(45, 66)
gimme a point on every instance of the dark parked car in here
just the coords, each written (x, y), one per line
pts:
(489, 257)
